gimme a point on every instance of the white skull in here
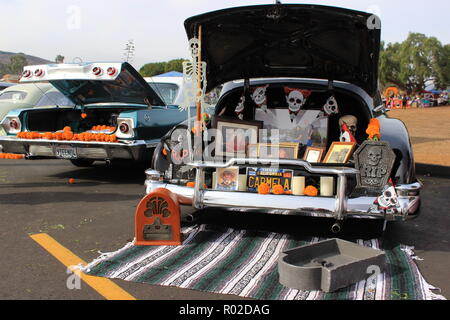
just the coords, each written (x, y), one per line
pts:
(331, 106)
(295, 100)
(388, 199)
(193, 47)
(259, 96)
(351, 122)
(374, 155)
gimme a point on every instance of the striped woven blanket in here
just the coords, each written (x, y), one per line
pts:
(244, 263)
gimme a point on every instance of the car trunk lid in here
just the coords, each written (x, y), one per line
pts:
(91, 84)
(286, 40)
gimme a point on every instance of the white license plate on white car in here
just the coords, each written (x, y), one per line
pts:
(66, 152)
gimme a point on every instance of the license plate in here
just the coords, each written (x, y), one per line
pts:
(66, 153)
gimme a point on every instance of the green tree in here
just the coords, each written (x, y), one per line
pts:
(16, 64)
(415, 63)
(59, 59)
(152, 69)
(155, 68)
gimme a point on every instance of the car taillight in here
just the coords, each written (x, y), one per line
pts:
(27, 74)
(97, 71)
(39, 72)
(124, 127)
(111, 71)
(13, 124)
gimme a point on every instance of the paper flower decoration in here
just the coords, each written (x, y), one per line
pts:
(278, 189)
(311, 191)
(373, 130)
(264, 188)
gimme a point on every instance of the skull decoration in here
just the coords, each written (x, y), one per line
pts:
(388, 198)
(331, 106)
(194, 46)
(259, 97)
(296, 99)
(374, 155)
(240, 108)
(351, 122)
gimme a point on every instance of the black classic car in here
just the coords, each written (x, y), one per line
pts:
(305, 79)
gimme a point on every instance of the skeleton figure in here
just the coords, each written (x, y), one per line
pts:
(331, 106)
(351, 122)
(374, 155)
(259, 97)
(296, 99)
(191, 70)
(240, 108)
(388, 198)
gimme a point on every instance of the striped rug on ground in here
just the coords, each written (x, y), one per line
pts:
(244, 263)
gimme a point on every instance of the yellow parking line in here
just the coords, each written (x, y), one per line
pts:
(103, 286)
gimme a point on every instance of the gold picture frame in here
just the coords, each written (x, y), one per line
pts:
(314, 155)
(286, 150)
(340, 152)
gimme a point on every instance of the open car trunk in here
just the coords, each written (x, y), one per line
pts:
(52, 120)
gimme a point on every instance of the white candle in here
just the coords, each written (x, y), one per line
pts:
(326, 186)
(298, 186)
(242, 182)
(214, 179)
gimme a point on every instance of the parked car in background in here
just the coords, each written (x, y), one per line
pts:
(4, 85)
(300, 70)
(114, 114)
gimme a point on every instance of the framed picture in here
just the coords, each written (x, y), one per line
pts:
(340, 152)
(314, 155)
(227, 179)
(252, 151)
(278, 151)
(234, 136)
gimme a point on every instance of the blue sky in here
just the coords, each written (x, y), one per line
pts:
(98, 30)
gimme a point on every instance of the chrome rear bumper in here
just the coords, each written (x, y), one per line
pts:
(131, 150)
(339, 207)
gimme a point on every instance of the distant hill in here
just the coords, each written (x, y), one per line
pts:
(5, 56)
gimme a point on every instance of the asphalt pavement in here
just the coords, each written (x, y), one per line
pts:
(96, 213)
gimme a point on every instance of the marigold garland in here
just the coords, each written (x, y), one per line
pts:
(311, 191)
(264, 188)
(278, 189)
(67, 135)
(373, 130)
(11, 156)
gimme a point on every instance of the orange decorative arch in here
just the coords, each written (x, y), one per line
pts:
(389, 90)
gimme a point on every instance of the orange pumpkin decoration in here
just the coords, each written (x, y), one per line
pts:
(311, 191)
(278, 189)
(264, 188)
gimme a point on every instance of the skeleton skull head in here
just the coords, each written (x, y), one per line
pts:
(295, 100)
(351, 122)
(374, 155)
(388, 199)
(331, 106)
(259, 95)
(194, 47)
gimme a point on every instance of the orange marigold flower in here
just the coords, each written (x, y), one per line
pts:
(373, 130)
(67, 129)
(71, 180)
(84, 115)
(278, 189)
(190, 184)
(264, 188)
(311, 191)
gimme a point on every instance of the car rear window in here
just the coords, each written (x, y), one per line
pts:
(167, 91)
(54, 98)
(13, 95)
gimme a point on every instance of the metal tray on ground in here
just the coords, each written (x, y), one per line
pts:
(328, 265)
